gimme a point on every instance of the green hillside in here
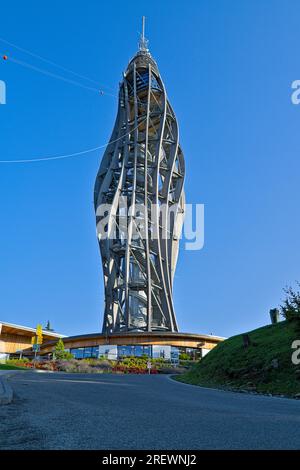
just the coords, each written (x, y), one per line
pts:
(264, 366)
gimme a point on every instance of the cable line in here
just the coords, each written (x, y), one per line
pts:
(70, 155)
(50, 62)
(51, 74)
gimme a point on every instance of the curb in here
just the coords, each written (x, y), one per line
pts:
(6, 392)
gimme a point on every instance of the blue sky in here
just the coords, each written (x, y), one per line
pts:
(228, 67)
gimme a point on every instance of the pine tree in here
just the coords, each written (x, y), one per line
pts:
(48, 326)
(60, 352)
(290, 309)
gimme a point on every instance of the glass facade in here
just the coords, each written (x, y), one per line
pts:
(169, 353)
(161, 352)
(135, 350)
(85, 353)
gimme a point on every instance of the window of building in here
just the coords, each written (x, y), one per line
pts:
(137, 351)
(85, 353)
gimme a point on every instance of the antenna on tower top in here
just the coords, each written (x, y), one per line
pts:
(143, 42)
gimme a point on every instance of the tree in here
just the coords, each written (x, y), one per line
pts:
(48, 326)
(290, 309)
(60, 352)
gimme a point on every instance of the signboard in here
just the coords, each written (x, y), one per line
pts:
(35, 347)
(175, 356)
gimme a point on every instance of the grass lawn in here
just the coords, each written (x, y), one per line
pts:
(232, 366)
(8, 367)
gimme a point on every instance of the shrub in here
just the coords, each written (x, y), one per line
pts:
(134, 362)
(19, 362)
(83, 368)
(77, 366)
(171, 370)
(188, 364)
(133, 367)
(60, 352)
(28, 364)
(51, 366)
(104, 366)
(67, 366)
(184, 357)
(290, 309)
(99, 365)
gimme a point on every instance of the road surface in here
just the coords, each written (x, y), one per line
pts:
(72, 411)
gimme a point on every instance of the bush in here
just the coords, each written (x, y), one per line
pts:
(60, 352)
(24, 362)
(84, 368)
(98, 362)
(104, 366)
(172, 370)
(128, 365)
(45, 365)
(188, 364)
(19, 362)
(290, 309)
(127, 369)
(134, 362)
(184, 357)
(67, 366)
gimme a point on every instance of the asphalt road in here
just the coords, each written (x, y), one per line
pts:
(71, 411)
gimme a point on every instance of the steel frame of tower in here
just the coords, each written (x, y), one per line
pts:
(143, 165)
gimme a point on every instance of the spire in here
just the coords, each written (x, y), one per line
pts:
(143, 42)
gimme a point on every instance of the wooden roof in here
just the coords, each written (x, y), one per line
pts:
(12, 329)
